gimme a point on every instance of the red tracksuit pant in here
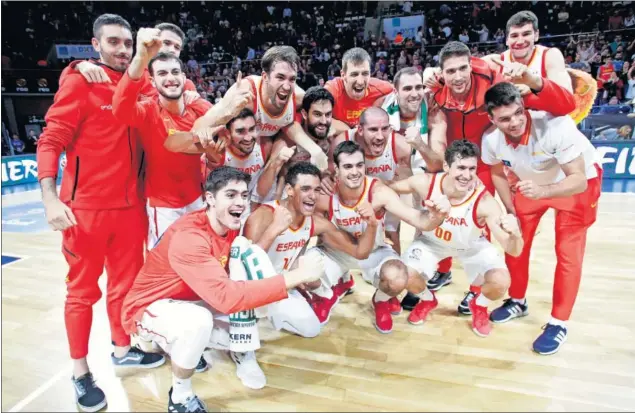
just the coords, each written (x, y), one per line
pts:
(574, 216)
(486, 177)
(111, 238)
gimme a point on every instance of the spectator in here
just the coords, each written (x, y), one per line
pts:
(464, 36)
(629, 21)
(483, 34)
(630, 89)
(398, 39)
(17, 144)
(616, 21)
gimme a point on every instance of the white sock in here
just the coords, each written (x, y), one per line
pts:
(381, 296)
(426, 295)
(519, 300)
(181, 389)
(482, 301)
(556, 322)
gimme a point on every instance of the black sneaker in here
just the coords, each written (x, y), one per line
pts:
(138, 358)
(90, 398)
(409, 301)
(202, 365)
(440, 280)
(192, 404)
(464, 307)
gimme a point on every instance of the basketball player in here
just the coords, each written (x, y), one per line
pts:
(275, 96)
(99, 210)
(283, 247)
(173, 180)
(463, 234)
(383, 268)
(466, 79)
(183, 290)
(355, 90)
(384, 152)
(549, 164)
(171, 37)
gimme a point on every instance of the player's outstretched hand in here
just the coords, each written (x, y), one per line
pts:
(208, 137)
(148, 42)
(327, 185)
(516, 72)
(237, 98)
(58, 215)
(367, 213)
(439, 206)
(530, 189)
(509, 224)
(282, 218)
(93, 73)
(190, 96)
(432, 78)
(319, 159)
(310, 267)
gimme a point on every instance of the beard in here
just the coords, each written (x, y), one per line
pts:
(317, 135)
(112, 60)
(171, 96)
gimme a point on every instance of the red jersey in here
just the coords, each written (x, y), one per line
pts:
(103, 157)
(173, 180)
(349, 110)
(190, 263)
(471, 121)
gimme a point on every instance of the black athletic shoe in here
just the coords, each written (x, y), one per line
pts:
(202, 365)
(90, 398)
(139, 359)
(464, 307)
(409, 301)
(440, 280)
(192, 404)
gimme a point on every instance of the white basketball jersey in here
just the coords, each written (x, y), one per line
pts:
(252, 164)
(536, 61)
(460, 230)
(383, 166)
(269, 125)
(287, 246)
(347, 219)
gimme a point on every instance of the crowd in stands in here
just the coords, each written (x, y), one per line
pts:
(225, 37)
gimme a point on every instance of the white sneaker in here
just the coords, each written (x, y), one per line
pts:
(248, 370)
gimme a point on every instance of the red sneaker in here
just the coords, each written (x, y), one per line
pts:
(342, 288)
(480, 319)
(395, 306)
(322, 307)
(383, 319)
(419, 314)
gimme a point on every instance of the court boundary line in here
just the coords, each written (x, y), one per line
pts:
(40, 390)
(19, 256)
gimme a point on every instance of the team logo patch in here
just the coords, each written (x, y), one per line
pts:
(415, 254)
(234, 252)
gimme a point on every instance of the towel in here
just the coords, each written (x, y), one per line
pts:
(247, 262)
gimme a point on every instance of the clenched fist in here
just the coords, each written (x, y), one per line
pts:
(282, 218)
(530, 189)
(284, 155)
(367, 213)
(509, 224)
(413, 137)
(148, 42)
(439, 206)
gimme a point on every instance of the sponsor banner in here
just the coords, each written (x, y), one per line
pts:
(75, 51)
(17, 82)
(406, 25)
(22, 169)
(618, 158)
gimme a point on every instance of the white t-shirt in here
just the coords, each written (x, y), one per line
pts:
(552, 141)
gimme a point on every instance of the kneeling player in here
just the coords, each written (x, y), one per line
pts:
(463, 235)
(183, 289)
(383, 268)
(285, 228)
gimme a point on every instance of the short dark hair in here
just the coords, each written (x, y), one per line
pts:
(164, 57)
(109, 19)
(461, 149)
(406, 71)
(275, 54)
(373, 110)
(171, 28)
(301, 168)
(220, 177)
(453, 49)
(356, 55)
(244, 114)
(522, 18)
(346, 147)
(501, 94)
(315, 94)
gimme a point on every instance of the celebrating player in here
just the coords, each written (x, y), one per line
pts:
(183, 290)
(173, 180)
(463, 234)
(274, 97)
(549, 164)
(99, 210)
(383, 268)
(355, 90)
(284, 243)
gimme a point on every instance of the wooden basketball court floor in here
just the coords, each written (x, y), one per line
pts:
(439, 366)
